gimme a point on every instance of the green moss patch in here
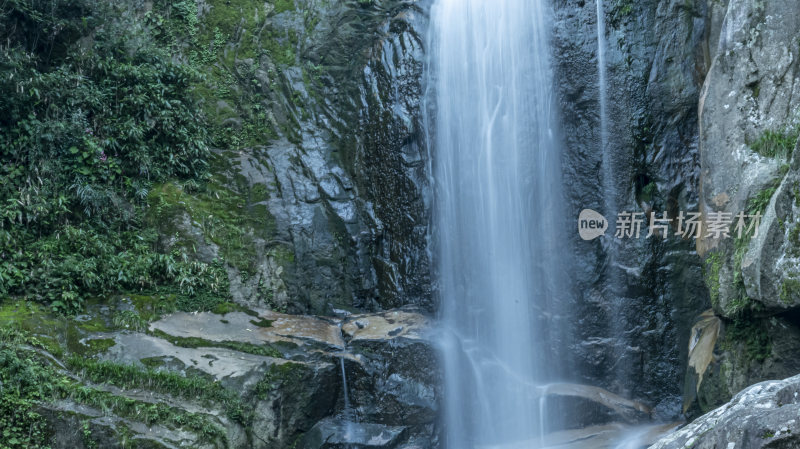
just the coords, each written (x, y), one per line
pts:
(712, 269)
(790, 291)
(261, 323)
(194, 342)
(752, 333)
(280, 375)
(225, 218)
(98, 345)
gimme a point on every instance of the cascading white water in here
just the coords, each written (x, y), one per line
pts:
(498, 223)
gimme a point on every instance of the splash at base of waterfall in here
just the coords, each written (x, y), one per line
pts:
(610, 436)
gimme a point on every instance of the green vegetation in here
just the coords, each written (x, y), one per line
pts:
(88, 128)
(129, 319)
(25, 383)
(194, 342)
(227, 41)
(790, 291)
(649, 192)
(278, 375)
(106, 148)
(758, 204)
(228, 307)
(222, 215)
(98, 345)
(741, 302)
(190, 387)
(751, 332)
(148, 413)
(262, 323)
(712, 269)
(620, 10)
(87, 436)
(29, 380)
(109, 188)
(777, 143)
(745, 328)
(283, 6)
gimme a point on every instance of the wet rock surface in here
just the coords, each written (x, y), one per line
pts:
(609, 436)
(765, 415)
(694, 89)
(330, 200)
(391, 399)
(592, 406)
(749, 93)
(262, 379)
(634, 299)
(346, 176)
(331, 434)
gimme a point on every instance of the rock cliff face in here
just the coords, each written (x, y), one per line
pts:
(702, 116)
(747, 136)
(349, 175)
(337, 186)
(635, 298)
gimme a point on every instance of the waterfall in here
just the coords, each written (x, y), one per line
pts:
(497, 229)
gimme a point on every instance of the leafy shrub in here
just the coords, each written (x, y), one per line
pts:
(23, 383)
(94, 112)
(759, 202)
(74, 262)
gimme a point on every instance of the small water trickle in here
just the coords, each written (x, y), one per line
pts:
(348, 413)
(602, 74)
(612, 248)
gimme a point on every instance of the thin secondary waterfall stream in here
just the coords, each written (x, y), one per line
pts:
(498, 222)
